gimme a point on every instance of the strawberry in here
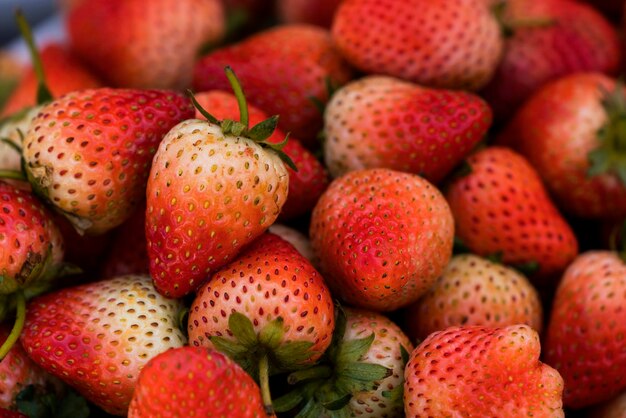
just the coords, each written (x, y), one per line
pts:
(584, 336)
(382, 237)
(483, 372)
(96, 337)
(88, 153)
(134, 43)
(187, 381)
(475, 291)
(379, 121)
(5, 413)
(128, 254)
(214, 187)
(502, 208)
(439, 43)
(268, 308)
(305, 185)
(296, 238)
(550, 39)
(315, 12)
(289, 75)
(64, 73)
(571, 132)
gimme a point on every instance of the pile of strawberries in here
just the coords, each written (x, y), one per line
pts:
(430, 225)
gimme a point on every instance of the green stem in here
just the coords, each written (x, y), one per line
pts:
(317, 372)
(43, 93)
(17, 327)
(12, 175)
(264, 381)
(241, 98)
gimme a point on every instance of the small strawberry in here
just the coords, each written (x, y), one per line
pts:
(549, 39)
(289, 75)
(438, 43)
(481, 372)
(88, 153)
(315, 12)
(382, 237)
(96, 337)
(585, 334)
(380, 121)
(501, 207)
(269, 309)
(214, 187)
(153, 44)
(194, 381)
(475, 291)
(571, 131)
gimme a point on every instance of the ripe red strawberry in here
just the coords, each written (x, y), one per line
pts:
(382, 237)
(570, 131)
(584, 339)
(288, 76)
(134, 43)
(502, 208)
(269, 307)
(305, 185)
(550, 38)
(315, 12)
(482, 372)
(439, 43)
(380, 121)
(193, 381)
(89, 152)
(475, 291)
(64, 73)
(128, 250)
(97, 337)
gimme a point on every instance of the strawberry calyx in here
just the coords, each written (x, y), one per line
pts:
(610, 155)
(43, 92)
(259, 133)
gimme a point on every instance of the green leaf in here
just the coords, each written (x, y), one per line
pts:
(353, 350)
(243, 330)
(200, 109)
(289, 401)
(291, 354)
(230, 348)
(278, 149)
(365, 372)
(598, 162)
(311, 409)
(238, 129)
(405, 354)
(263, 130)
(337, 402)
(495, 257)
(395, 394)
(528, 269)
(272, 334)
(338, 332)
(43, 93)
(227, 126)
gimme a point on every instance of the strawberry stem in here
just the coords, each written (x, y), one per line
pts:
(17, 327)
(43, 93)
(264, 381)
(12, 175)
(241, 98)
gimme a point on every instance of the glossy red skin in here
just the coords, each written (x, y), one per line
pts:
(291, 64)
(555, 130)
(196, 379)
(315, 12)
(501, 206)
(581, 39)
(382, 237)
(63, 72)
(305, 185)
(584, 341)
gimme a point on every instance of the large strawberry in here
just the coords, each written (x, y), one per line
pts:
(585, 334)
(96, 337)
(481, 372)
(440, 43)
(475, 291)
(549, 39)
(195, 381)
(144, 44)
(214, 187)
(380, 121)
(502, 208)
(289, 75)
(572, 132)
(269, 309)
(382, 237)
(88, 152)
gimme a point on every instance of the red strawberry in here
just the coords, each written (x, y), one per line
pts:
(268, 305)
(481, 372)
(97, 337)
(129, 254)
(88, 152)
(5, 413)
(380, 121)
(153, 44)
(550, 38)
(501, 207)
(64, 73)
(585, 334)
(475, 291)
(305, 185)
(570, 131)
(288, 76)
(382, 237)
(439, 43)
(192, 381)
(315, 12)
